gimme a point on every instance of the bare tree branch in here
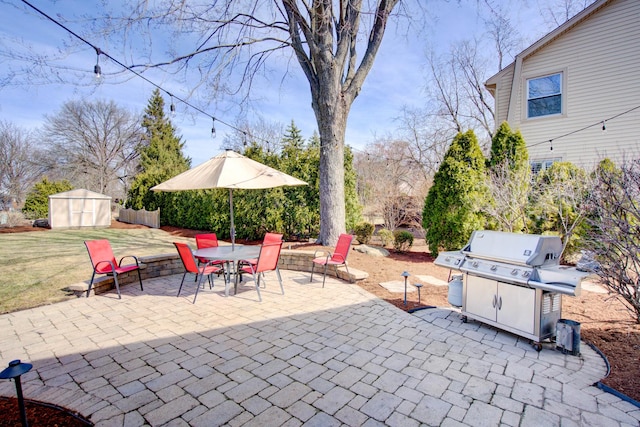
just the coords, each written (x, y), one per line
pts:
(94, 144)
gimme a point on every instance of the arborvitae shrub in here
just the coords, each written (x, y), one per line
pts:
(403, 240)
(386, 236)
(363, 232)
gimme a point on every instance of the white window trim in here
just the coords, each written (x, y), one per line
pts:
(563, 95)
(544, 163)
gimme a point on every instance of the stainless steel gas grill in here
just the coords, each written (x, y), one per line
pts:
(514, 281)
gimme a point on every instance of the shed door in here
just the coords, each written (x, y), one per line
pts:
(82, 212)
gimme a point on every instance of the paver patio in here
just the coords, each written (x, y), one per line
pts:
(314, 356)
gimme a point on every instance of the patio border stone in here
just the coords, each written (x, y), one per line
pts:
(169, 264)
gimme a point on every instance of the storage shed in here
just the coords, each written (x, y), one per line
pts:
(79, 208)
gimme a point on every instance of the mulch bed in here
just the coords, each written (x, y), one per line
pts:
(38, 414)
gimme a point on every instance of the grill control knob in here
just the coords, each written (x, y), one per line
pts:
(526, 274)
(447, 259)
(475, 264)
(514, 272)
(494, 267)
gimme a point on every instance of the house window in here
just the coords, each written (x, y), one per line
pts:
(538, 166)
(544, 96)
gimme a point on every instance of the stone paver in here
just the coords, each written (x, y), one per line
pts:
(313, 357)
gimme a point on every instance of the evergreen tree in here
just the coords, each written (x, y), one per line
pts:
(508, 146)
(302, 204)
(161, 158)
(509, 181)
(353, 208)
(36, 205)
(559, 203)
(452, 207)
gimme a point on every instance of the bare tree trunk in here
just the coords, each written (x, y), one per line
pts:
(332, 129)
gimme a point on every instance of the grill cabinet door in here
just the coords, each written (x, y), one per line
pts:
(480, 297)
(516, 307)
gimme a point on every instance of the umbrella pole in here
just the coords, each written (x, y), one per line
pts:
(233, 228)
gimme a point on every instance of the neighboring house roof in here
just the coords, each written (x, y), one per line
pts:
(549, 37)
(79, 193)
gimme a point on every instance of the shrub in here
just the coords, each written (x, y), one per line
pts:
(452, 207)
(386, 236)
(403, 240)
(15, 219)
(613, 234)
(363, 232)
(36, 204)
(559, 203)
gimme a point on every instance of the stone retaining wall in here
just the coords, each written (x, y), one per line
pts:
(169, 264)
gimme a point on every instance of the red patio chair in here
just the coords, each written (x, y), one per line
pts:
(267, 261)
(104, 262)
(268, 238)
(207, 240)
(191, 266)
(337, 258)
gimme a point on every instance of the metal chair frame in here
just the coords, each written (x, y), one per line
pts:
(337, 258)
(267, 261)
(104, 262)
(192, 267)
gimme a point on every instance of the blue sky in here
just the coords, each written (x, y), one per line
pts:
(397, 78)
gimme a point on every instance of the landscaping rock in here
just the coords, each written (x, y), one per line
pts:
(372, 250)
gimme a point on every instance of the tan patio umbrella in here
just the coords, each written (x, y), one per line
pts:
(229, 170)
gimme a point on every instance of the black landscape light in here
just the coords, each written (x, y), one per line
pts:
(14, 371)
(405, 274)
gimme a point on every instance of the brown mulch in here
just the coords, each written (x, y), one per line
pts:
(38, 414)
(605, 322)
(21, 229)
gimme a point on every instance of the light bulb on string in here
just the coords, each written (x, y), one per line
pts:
(213, 127)
(172, 107)
(551, 144)
(97, 71)
(604, 128)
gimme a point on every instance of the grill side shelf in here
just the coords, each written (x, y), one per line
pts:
(561, 288)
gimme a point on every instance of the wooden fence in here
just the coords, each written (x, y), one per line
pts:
(142, 216)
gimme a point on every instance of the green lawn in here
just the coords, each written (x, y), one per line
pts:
(36, 267)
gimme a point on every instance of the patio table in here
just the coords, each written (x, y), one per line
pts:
(228, 254)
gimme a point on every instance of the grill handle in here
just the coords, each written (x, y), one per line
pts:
(500, 303)
(558, 287)
(495, 300)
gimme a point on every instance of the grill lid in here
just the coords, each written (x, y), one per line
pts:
(531, 250)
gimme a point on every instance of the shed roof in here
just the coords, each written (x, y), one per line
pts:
(79, 193)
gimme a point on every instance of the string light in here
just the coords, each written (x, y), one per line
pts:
(98, 72)
(96, 69)
(172, 107)
(551, 144)
(601, 122)
(213, 127)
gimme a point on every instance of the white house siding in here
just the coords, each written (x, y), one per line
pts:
(600, 58)
(502, 94)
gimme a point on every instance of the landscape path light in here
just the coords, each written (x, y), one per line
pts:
(405, 274)
(14, 371)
